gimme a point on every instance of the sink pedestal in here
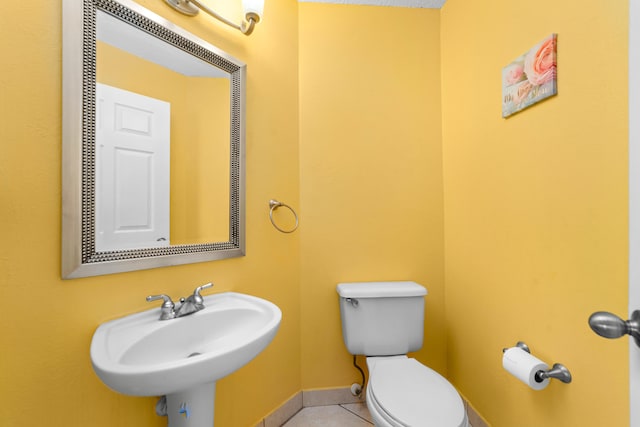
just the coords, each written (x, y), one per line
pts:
(193, 407)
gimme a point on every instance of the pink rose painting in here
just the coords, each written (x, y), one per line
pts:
(530, 78)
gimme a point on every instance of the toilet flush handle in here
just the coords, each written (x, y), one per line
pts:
(354, 302)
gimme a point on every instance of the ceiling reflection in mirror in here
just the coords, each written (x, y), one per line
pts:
(162, 144)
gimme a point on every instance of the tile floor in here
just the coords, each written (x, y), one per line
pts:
(345, 415)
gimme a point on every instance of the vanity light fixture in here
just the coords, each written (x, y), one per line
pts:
(252, 11)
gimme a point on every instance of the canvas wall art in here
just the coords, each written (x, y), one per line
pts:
(531, 78)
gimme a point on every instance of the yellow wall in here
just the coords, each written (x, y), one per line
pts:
(535, 209)
(370, 170)
(525, 217)
(45, 371)
(205, 210)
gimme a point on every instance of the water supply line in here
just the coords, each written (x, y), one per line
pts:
(356, 389)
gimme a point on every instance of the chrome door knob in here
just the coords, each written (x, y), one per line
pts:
(609, 325)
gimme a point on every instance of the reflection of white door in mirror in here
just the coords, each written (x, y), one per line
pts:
(132, 170)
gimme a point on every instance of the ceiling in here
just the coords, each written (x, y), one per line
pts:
(428, 4)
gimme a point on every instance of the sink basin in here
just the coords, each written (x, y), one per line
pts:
(141, 355)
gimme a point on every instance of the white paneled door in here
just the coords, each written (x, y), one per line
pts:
(132, 170)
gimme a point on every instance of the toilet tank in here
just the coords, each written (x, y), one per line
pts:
(382, 318)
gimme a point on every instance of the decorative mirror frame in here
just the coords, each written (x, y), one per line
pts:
(79, 255)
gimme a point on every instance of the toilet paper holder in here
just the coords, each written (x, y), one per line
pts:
(557, 371)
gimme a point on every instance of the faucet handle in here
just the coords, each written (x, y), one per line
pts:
(196, 293)
(167, 308)
(205, 286)
(167, 300)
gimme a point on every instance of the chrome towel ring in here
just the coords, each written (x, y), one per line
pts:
(273, 205)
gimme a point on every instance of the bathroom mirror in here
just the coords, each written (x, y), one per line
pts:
(153, 143)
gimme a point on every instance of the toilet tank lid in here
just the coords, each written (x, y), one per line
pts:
(380, 289)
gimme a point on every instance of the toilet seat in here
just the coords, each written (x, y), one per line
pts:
(409, 394)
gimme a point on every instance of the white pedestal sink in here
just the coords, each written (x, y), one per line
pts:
(182, 358)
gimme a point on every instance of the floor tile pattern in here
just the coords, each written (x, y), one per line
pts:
(347, 415)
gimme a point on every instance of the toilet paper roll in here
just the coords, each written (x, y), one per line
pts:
(524, 367)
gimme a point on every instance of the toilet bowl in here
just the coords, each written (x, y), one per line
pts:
(402, 392)
(384, 321)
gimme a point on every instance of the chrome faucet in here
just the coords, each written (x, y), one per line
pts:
(193, 302)
(186, 306)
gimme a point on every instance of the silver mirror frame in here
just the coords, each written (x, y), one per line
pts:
(79, 255)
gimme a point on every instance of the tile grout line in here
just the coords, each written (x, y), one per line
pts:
(357, 415)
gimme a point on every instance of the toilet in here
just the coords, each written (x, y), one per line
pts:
(384, 321)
